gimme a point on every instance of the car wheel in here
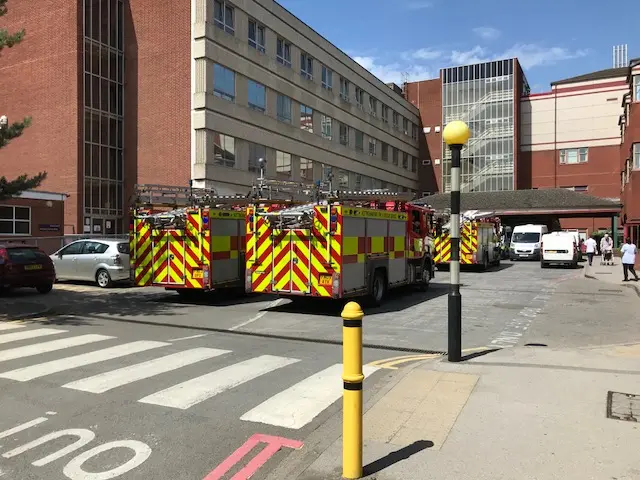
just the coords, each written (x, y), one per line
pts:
(378, 289)
(426, 278)
(103, 279)
(44, 288)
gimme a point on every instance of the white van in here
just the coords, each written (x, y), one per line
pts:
(525, 241)
(559, 248)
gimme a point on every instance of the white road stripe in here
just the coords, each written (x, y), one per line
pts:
(188, 338)
(104, 382)
(52, 346)
(27, 334)
(301, 403)
(258, 316)
(199, 389)
(55, 366)
(10, 326)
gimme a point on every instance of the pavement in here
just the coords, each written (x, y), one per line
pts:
(610, 274)
(139, 383)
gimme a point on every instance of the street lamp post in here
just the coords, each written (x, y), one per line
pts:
(455, 135)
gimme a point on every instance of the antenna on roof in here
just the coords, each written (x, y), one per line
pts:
(620, 58)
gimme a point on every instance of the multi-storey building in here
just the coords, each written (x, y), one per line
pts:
(125, 92)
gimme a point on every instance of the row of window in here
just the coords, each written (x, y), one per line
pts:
(225, 155)
(570, 156)
(225, 87)
(224, 18)
(15, 220)
(636, 88)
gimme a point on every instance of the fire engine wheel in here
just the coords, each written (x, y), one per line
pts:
(426, 278)
(485, 262)
(378, 288)
(103, 279)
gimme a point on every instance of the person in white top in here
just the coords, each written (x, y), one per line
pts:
(606, 249)
(628, 251)
(592, 246)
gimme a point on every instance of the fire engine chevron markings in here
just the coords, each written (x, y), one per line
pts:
(55, 366)
(104, 382)
(189, 393)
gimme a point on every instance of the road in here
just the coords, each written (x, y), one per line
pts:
(137, 383)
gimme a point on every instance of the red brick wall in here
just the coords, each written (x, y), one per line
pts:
(157, 141)
(631, 194)
(427, 96)
(39, 78)
(41, 214)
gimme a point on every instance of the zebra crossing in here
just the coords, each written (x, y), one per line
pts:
(293, 407)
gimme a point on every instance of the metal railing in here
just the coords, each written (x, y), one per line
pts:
(51, 244)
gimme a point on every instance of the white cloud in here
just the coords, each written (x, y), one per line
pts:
(422, 54)
(477, 54)
(393, 72)
(418, 5)
(530, 55)
(488, 33)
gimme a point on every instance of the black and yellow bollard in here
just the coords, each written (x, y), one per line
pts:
(352, 401)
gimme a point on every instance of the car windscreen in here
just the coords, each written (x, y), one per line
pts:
(123, 248)
(25, 255)
(525, 237)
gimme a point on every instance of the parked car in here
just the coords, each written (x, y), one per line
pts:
(25, 266)
(103, 261)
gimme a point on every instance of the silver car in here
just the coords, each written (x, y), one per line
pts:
(103, 261)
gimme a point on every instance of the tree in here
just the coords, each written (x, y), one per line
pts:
(12, 188)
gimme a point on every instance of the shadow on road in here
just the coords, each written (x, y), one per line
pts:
(397, 456)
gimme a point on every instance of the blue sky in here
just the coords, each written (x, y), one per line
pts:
(554, 39)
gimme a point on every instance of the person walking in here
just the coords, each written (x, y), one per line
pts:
(606, 249)
(592, 246)
(629, 251)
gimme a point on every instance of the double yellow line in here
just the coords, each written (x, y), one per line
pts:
(390, 363)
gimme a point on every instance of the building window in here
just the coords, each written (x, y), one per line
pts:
(306, 169)
(414, 132)
(224, 82)
(283, 52)
(283, 163)
(256, 152)
(257, 96)
(15, 220)
(580, 188)
(372, 146)
(306, 66)
(256, 36)
(396, 120)
(306, 118)
(405, 126)
(359, 141)
(284, 108)
(359, 97)
(636, 156)
(384, 151)
(569, 156)
(223, 15)
(224, 150)
(327, 78)
(405, 160)
(344, 134)
(414, 164)
(385, 113)
(343, 178)
(636, 88)
(327, 127)
(395, 155)
(344, 89)
(373, 106)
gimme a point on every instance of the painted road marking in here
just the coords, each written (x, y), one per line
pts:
(189, 393)
(28, 334)
(188, 338)
(74, 470)
(104, 382)
(300, 404)
(68, 363)
(52, 346)
(24, 426)
(10, 326)
(273, 445)
(273, 304)
(390, 363)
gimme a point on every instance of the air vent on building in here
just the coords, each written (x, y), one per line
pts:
(437, 129)
(437, 161)
(426, 130)
(426, 194)
(426, 162)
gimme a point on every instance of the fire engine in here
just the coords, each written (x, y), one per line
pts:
(341, 244)
(479, 239)
(187, 239)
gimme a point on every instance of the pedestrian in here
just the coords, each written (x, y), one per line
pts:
(592, 246)
(628, 251)
(606, 249)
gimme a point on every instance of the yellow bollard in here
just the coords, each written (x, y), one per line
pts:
(352, 401)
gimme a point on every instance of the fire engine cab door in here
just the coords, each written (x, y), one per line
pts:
(175, 257)
(291, 268)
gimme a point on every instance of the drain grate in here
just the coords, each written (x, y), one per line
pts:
(623, 406)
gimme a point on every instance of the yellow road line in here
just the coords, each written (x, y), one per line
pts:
(390, 362)
(385, 360)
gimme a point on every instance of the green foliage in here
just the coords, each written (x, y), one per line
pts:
(12, 188)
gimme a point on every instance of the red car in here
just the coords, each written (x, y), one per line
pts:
(25, 266)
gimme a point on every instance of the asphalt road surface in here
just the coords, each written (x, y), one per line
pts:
(136, 383)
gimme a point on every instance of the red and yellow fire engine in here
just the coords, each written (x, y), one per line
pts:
(343, 244)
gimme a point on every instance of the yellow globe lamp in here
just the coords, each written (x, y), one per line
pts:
(456, 133)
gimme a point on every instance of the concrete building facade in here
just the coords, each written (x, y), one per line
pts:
(128, 92)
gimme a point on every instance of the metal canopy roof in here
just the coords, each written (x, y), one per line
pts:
(550, 201)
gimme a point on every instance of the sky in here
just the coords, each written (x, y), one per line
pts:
(553, 39)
